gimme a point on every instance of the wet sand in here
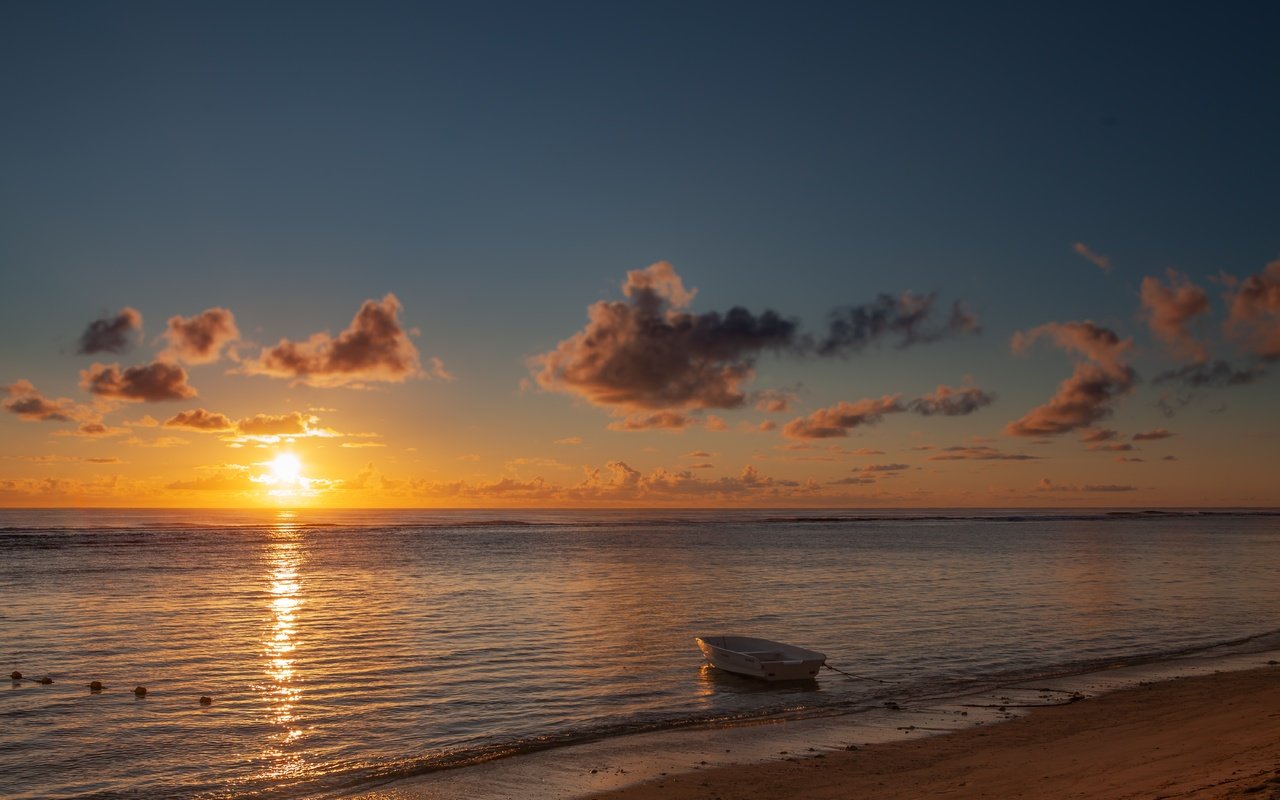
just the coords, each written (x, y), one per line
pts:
(1206, 736)
(1199, 727)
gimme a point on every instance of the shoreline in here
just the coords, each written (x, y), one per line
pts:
(797, 755)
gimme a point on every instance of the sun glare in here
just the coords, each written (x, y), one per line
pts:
(286, 468)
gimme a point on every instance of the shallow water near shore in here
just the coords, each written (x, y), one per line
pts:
(345, 648)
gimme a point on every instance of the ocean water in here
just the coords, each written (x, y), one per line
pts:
(342, 648)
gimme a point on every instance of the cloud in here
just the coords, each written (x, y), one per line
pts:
(1097, 259)
(772, 401)
(1088, 395)
(27, 402)
(699, 454)
(97, 429)
(1098, 435)
(867, 451)
(908, 318)
(649, 353)
(294, 423)
(111, 334)
(661, 420)
(1254, 315)
(1214, 374)
(843, 417)
(1112, 447)
(151, 383)
(355, 445)
(198, 419)
(978, 453)
(1169, 310)
(200, 339)
(1150, 436)
(949, 402)
(617, 481)
(569, 440)
(374, 347)
(262, 428)
(870, 468)
(1046, 485)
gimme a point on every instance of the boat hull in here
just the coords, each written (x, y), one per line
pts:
(761, 658)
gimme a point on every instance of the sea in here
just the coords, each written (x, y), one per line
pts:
(341, 649)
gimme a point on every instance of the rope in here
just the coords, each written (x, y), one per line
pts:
(856, 677)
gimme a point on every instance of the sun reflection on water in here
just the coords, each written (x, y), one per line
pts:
(284, 558)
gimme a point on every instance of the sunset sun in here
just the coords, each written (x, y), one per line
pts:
(286, 468)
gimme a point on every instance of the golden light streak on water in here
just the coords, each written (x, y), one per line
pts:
(284, 557)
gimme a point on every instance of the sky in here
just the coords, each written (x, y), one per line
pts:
(592, 254)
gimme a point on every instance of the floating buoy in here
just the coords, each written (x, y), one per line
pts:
(206, 700)
(140, 691)
(17, 676)
(96, 686)
(46, 680)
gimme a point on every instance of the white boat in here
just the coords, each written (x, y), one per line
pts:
(761, 658)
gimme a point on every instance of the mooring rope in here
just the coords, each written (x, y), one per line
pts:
(856, 677)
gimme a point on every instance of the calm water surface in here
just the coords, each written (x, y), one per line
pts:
(341, 648)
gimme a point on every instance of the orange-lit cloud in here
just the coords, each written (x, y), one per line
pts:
(198, 419)
(200, 339)
(1088, 395)
(151, 383)
(373, 348)
(1150, 436)
(1097, 259)
(838, 420)
(843, 417)
(27, 402)
(1254, 316)
(1169, 310)
(111, 334)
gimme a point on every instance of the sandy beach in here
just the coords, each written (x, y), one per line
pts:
(1208, 736)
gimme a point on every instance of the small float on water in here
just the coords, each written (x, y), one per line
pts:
(761, 658)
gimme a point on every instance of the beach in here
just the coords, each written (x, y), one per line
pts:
(1207, 736)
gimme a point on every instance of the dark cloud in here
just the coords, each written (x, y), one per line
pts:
(111, 334)
(909, 319)
(1113, 447)
(198, 419)
(1046, 485)
(1170, 308)
(978, 453)
(1089, 394)
(882, 468)
(1150, 436)
(649, 352)
(374, 347)
(1254, 315)
(154, 382)
(1098, 435)
(949, 402)
(27, 402)
(1214, 374)
(200, 339)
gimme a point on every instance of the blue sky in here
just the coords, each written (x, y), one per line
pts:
(501, 166)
